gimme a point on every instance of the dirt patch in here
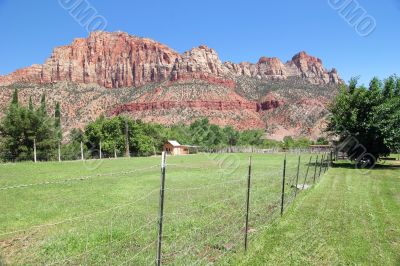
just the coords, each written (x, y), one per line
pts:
(13, 247)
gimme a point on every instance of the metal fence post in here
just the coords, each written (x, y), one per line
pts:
(308, 168)
(161, 206)
(320, 165)
(326, 163)
(315, 169)
(283, 185)
(297, 176)
(247, 205)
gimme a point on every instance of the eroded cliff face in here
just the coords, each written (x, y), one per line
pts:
(111, 60)
(115, 60)
(116, 73)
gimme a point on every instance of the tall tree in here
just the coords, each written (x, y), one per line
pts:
(389, 87)
(30, 105)
(15, 97)
(57, 121)
(366, 119)
(43, 108)
(397, 88)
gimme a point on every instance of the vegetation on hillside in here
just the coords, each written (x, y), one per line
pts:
(24, 125)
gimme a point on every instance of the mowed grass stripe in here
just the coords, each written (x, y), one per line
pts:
(349, 218)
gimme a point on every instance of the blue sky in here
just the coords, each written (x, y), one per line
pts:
(238, 30)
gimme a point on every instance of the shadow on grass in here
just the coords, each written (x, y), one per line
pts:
(2, 263)
(379, 166)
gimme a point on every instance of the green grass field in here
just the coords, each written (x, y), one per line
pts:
(348, 219)
(105, 212)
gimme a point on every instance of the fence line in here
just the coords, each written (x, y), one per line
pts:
(250, 209)
(81, 178)
(82, 216)
(106, 243)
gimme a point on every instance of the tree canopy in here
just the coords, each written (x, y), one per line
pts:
(21, 127)
(366, 120)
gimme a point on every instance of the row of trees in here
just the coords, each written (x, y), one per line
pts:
(146, 139)
(366, 120)
(23, 126)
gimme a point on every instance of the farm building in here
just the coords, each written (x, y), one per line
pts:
(174, 148)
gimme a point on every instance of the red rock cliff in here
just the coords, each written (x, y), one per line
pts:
(115, 60)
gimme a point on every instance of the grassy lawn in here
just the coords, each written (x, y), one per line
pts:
(348, 219)
(105, 212)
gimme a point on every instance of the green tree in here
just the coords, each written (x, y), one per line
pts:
(15, 97)
(288, 142)
(20, 127)
(231, 136)
(322, 141)
(30, 105)
(397, 88)
(251, 138)
(389, 86)
(270, 143)
(43, 107)
(368, 117)
(72, 150)
(57, 122)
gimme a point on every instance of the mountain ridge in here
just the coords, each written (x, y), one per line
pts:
(116, 73)
(115, 60)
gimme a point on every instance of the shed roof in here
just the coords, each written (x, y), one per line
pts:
(174, 143)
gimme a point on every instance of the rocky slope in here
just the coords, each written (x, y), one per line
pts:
(114, 73)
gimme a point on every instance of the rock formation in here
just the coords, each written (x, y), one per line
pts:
(116, 73)
(116, 60)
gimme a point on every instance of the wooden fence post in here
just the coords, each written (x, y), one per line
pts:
(34, 150)
(82, 157)
(59, 151)
(100, 153)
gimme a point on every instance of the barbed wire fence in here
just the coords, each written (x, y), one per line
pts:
(168, 222)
